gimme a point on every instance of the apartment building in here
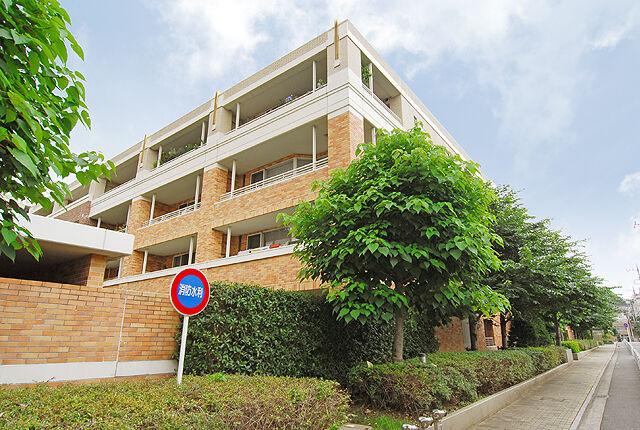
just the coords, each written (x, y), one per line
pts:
(207, 188)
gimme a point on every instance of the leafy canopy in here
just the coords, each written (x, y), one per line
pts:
(41, 100)
(405, 227)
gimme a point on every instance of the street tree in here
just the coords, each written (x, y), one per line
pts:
(41, 101)
(404, 228)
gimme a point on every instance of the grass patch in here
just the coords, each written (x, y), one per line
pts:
(210, 401)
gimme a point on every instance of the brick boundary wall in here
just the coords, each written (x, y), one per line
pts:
(44, 323)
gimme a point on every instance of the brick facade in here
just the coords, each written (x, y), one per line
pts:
(44, 322)
(346, 132)
(79, 214)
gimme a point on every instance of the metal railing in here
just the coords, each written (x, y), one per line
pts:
(381, 102)
(172, 215)
(299, 171)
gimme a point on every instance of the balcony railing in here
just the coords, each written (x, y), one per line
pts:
(284, 102)
(172, 215)
(119, 185)
(381, 102)
(303, 170)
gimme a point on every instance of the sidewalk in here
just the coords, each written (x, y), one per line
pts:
(555, 404)
(622, 410)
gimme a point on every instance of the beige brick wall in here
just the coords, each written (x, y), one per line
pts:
(345, 133)
(450, 336)
(44, 322)
(79, 214)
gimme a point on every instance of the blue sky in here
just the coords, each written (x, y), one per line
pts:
(544, 95)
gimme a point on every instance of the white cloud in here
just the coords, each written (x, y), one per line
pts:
(630, 183)
(530, 52)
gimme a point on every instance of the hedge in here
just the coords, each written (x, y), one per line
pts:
(578, 345)
(448, 379)
(212, 401)
(250, 329)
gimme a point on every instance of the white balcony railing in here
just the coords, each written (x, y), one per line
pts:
(303, 170)
(172, 215)
(381, 102)
(275, 108)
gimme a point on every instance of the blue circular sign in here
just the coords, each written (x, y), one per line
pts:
(189, 291)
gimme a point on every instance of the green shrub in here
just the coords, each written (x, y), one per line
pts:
(449, 379)
(572, 345)
(526, 333)
(586, 344)
(228, 402)
(248, 329)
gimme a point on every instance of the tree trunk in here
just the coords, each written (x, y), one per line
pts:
(473, 332)
(398, 339)
(557, 326)
(503, 330)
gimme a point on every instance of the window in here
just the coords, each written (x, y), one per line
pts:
(279, 168)
(254, 241)
(183, 259)
(257, 177)
(280, 236)
(186, 204)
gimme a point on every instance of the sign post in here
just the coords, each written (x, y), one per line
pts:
(628, 331)
(189, 296)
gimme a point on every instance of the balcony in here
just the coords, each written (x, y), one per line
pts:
(299, 171)
(171, 215)
(381, 102)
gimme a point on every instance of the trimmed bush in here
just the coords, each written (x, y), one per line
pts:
(249, 329)
(449, 379)
(572, 345)
(212, 401)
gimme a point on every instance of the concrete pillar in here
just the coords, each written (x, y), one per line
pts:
(314, 146)
(233, 176)
(96, 188)
(153, 207)
(159, 156)
(190, 250)
(144, 261)
(99, 222)
(197, 196)
(203, 132)
(314, 74)
(237, 115)
(228, 249)
(373, 135)
(371, 77)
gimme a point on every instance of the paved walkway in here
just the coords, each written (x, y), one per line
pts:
(622, 409)
(555, 404)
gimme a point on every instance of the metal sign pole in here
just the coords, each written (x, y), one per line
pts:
(183, 347)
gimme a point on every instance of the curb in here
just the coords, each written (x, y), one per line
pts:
(478, 411)
(634, 353)
(576, 421)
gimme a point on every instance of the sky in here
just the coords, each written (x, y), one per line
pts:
(544, 95)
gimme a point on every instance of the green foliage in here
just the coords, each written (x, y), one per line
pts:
(449, 379)
(249, 329)
(366, 75)
(176, 152)
(405, 227)
(586, 344)
(533, 332)
(41, 102)
(546, 276)
(237, 402)
(572, 345)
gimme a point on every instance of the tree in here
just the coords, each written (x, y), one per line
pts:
(41, 102)
(404, 228)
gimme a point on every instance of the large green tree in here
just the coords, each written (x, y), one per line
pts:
(41, 101)
(404, 228)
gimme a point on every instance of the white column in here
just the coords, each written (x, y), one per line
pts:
(202, 134)
(190, 250)
(373, 135)
(228, 250)
(159, 156)
(313, 147)
(237, 115)
(315, 80)
(144, 261)
(126, 227)
(120, 268)
(197, 190)
(371, 76)
(233, 176)
(99, 222)
(153, 207)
